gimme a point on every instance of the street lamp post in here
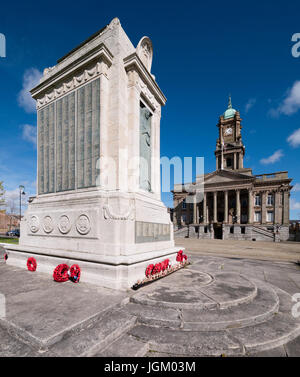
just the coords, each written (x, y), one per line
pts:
(22, 192)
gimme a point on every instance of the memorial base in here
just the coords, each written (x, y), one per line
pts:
(111, 272)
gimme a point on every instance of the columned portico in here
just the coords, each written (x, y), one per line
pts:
(238, 204)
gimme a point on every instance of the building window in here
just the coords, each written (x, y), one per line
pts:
(229, 162)
(257, 200)
(270, 200)
(184, 219)
(257, 216)
(270, 216)
(183, 204)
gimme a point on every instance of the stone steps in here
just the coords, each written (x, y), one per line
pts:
(125, 346)
(263, 324)
(94, 339)
(264, 306)
(223, 291)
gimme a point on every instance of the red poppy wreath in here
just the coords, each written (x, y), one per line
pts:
(60, 273)
(75, 273)
(31, 264)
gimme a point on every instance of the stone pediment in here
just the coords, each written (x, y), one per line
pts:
(225, 176)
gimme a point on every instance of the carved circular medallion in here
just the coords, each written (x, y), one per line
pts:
(34, 224)
(83, 225)
(48, 224)
(64, 224)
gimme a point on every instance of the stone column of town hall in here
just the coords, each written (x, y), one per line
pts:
(98, 201)
(236, 204)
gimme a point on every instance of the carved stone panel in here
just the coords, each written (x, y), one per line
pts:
(145, 149)
(83, 224)
(34, 224)
(64, 224)
(151, 232)
(48, 224)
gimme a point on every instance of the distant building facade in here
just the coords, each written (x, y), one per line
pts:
(8, 222)
(236, 204)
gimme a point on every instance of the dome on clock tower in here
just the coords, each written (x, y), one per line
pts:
(230, 112)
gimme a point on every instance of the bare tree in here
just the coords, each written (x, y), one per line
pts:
(2, 192)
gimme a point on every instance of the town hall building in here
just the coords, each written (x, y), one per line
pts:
(235, 203)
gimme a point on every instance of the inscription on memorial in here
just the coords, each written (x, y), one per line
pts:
(151, 232)
(88, 133)
(67, 140)
(65, 143)
(46, 149)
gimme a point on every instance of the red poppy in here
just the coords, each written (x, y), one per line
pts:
(31, 264)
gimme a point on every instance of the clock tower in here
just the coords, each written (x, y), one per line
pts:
(230, 149)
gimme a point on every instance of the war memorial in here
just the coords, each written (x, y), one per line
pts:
(98, 205)
(98, 198)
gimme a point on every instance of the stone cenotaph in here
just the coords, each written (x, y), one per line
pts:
(98, 201)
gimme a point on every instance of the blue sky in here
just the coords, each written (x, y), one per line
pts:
(202, 51)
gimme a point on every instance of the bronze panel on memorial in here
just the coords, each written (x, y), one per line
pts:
(88, 133)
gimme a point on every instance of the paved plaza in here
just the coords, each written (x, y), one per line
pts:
(228, 305)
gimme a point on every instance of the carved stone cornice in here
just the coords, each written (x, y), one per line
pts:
(134, 63)
(82, 70)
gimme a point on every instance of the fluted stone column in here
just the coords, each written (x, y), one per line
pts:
(276, 208)
(263, 207)
(215, 207)
(234, 161)
(188, 213)
(241, 165)
(286, 207)
(250, 207)
(238, 207)
(195, 210)
(204, 209)
(226, 207)
(207, 212)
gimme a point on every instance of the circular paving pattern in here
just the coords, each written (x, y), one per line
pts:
(199, 290)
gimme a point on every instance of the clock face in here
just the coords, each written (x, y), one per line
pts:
(228, 131)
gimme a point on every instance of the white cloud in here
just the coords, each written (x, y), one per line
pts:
(250, 104)
(12, 201)
(291, 103)
(30, 79)
(294, 138)
(296, 187)
(276, 156)
(29, 133)
(294, 205)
